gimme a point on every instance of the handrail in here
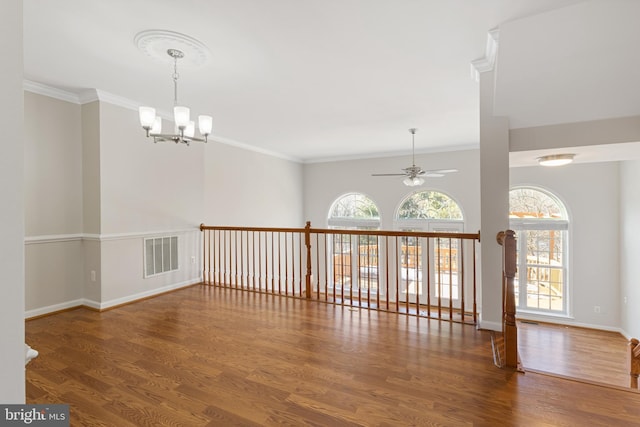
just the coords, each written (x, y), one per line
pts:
(413, 272)
(343, 231)
(509, 267)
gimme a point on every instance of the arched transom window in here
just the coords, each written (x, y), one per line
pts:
(354, 210)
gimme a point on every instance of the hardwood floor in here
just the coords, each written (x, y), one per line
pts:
(586, 354)
(205, 356)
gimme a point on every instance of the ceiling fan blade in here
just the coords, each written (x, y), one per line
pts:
(441, 171)
(388, 174)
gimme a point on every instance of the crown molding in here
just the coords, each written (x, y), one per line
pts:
(388, 154)
(91, 95)
(488, 62)
(51, 92)
(117, 100)
(253, 148)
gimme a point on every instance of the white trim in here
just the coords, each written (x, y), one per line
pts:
(135, 235)
(146, 294)
(112, 303)
(227, 141)
(53, 238)
(488, 61)
(53, 308)
(51, 92)
(491, 326)
(120, 101)
(94, 237)
(91, 95)
(386, 154)
(561, 320)
(91, 304)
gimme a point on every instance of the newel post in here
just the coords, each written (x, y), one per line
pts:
(307, 242)
(509, 312)
(634, 362)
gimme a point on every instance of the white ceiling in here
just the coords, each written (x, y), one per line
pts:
(320, 79)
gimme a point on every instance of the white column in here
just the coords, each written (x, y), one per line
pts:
(494, 201)
(12, 349)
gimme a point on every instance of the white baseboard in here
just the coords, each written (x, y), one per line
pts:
(146, 294)
(569, 322)
(53, 308)
(108, 304)
(491, 326)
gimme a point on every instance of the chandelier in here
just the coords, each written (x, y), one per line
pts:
(184, 126)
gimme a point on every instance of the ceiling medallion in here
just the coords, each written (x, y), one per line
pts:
(156, 43)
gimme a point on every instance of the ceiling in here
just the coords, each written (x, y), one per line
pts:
(314, 80)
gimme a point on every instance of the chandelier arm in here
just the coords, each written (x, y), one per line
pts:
(181, 136)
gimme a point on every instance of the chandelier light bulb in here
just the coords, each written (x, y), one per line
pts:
(181, 116)
(205, 125)
(157, 125)
(190, 130)
(147, 117)
(184, 129)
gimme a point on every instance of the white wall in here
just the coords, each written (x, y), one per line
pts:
(630, 246)
(146, 186)
(97, 187)
(591, 194)
(12, 384)
(494, 202)
(246, 188)
(146, 190)
(53, 166)
(53, 204)
(325, 182)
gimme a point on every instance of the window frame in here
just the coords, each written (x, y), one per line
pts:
(521, 226)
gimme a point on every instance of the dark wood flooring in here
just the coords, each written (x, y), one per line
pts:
(206, 356)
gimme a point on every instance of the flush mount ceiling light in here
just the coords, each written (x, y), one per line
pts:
(150, 42)
(556, 159)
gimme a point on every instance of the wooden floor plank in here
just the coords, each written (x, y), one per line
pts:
(582, 353)
(204, 356)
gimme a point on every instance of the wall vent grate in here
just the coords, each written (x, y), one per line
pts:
(160, 255)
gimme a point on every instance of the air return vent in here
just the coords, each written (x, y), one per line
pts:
(160, 255)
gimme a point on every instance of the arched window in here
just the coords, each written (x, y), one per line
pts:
(354, 210)
(354, 262)
(541, 224)
(430, 211)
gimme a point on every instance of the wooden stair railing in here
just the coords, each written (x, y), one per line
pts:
(509, 267)
(634, 362)
(427, 274)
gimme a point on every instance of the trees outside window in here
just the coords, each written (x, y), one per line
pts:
(430, 211)
(541, 224)
(355, 258)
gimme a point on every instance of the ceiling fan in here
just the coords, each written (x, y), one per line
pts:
(415, 174)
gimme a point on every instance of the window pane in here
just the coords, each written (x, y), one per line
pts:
(429, 205)
(541, 221)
